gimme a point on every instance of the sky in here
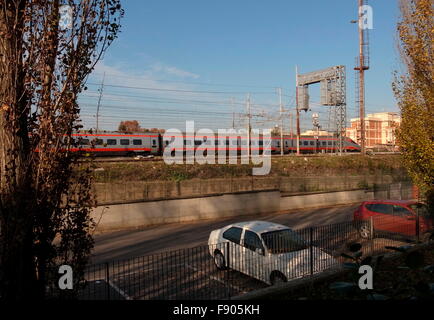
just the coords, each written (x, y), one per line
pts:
(199, 60)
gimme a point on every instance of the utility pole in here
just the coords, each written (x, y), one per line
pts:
(297, 111)
(101, 89)
(248, 125)
(281, 121)
(233, 113)
(291, 129)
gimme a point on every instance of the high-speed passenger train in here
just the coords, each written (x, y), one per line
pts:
(126, 144)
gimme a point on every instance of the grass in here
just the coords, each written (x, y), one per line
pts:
(287, 166)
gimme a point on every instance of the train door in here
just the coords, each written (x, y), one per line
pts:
(317, 145)
(155, 148)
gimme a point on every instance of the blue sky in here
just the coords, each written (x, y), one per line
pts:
(226, 49)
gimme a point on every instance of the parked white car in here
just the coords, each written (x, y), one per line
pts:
(267, 251)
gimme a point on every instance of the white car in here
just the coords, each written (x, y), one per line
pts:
(267, 251)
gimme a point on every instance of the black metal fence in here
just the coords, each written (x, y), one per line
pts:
(227, 269)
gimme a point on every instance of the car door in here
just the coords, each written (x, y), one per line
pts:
(232, 250)
(382, 214)
(253, 255)
(405, 221)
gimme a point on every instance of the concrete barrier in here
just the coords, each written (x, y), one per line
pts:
(129, 191)
(324, 199)
(141, 214)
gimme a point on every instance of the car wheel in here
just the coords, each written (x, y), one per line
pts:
(219, 261)
(277, 278)
(365, 231)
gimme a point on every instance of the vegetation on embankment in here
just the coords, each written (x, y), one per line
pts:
(407, 276)
(287, 166)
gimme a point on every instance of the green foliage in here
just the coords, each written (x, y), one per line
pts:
(414, 91)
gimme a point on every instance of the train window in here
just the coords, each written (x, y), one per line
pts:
(83, 142)
(217, 142)
(208, 142)
(244, 142)
(154, 142)
(324, 143)
(312, 143)
(197, 142)
(286, 143)
(187, 142)
(305, 143)
(125, 142)
(330, 143)
(234, 142)
(227, 142)
(301, 143)
(138, 142)
(261, 142)
(99, 142)
(112, 142)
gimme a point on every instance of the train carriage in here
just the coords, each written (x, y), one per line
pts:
(130, 144)
(119, 144)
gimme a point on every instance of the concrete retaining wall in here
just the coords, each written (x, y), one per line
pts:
(324, 199)
(136, 215)
(110, 193)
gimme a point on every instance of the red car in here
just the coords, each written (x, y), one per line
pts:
(397, 217)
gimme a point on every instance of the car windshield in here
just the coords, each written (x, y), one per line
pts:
(423, 210)
(283, 241)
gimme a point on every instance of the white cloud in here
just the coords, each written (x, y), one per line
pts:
(125, 102)
(169, 70)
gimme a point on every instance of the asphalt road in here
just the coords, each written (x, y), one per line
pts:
(128, 244)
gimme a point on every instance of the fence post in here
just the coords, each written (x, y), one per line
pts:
(107, 277)
(311, 250)
(228, 290)
(417, 225)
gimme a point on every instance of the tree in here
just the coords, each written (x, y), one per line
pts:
(45, 195)
(414, 91)
(130, 126)
(275, 131)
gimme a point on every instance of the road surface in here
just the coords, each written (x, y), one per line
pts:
(128, 244)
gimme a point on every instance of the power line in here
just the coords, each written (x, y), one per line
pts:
(176, 90)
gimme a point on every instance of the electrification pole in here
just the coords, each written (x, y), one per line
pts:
(297, 111)
(361, 70)
(233, 113)
(248, 125)
(281, 121)
(99, 103)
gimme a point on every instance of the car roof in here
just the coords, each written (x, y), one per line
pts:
(260, 226)
(404, 202)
